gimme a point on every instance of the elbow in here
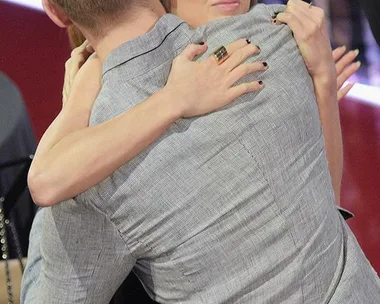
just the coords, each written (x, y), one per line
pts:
(42, 189)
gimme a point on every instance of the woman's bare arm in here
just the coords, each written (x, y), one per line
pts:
(70, 160)
(77, 161)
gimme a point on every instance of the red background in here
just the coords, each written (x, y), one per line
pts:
(32, 53)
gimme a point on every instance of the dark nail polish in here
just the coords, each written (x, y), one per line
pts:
(265, 64)
(275, 15)
(274, 21)
(201, 43)
(261, 83)
(248, 41)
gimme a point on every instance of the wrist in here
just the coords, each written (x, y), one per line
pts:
(170, 103)
(325, 82)
(325, 75)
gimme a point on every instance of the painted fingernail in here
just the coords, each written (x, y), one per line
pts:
(274, 21)
(356, 52)
(358, 63)
(201, 43)
(248, 41)
(343, 47)
(265, 64)
(261, 83)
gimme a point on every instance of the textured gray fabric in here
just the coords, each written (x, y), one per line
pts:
(29, 290)
(231, 207)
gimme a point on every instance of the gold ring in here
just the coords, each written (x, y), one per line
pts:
(221, 55)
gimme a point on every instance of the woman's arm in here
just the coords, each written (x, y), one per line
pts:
(330, 120)
(325, 92)
(310, 31)
(69, 159)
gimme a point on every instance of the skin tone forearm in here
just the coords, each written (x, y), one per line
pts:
(148, 119)
(87, 155)
(329, 116)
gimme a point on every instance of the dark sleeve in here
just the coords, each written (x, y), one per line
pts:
(372, 11)
(132, 291)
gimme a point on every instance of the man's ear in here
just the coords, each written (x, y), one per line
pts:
(56, 14)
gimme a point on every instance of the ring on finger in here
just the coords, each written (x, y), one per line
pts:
(221, 55)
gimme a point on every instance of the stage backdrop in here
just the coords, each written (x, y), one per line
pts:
(32, 53)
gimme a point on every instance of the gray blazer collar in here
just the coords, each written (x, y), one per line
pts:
(133, 50)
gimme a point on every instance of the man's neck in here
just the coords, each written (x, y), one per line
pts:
(133, 27)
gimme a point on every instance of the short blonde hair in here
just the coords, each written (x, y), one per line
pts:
(94, 14)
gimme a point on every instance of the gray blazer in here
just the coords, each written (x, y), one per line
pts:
(231, 207)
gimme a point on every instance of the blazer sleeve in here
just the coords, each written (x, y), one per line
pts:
(84, 258)
(31, 274)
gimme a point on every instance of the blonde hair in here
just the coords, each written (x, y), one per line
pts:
(94, 14)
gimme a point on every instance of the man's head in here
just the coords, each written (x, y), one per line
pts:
(93, 15)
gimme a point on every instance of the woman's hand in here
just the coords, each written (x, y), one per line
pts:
(310, 31)
(78, 57)
(345, 68)
(204, 86)
(85, 87)
(309, 27)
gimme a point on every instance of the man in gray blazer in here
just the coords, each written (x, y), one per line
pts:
(231, 207)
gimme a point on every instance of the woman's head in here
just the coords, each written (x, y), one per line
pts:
(200, 12)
